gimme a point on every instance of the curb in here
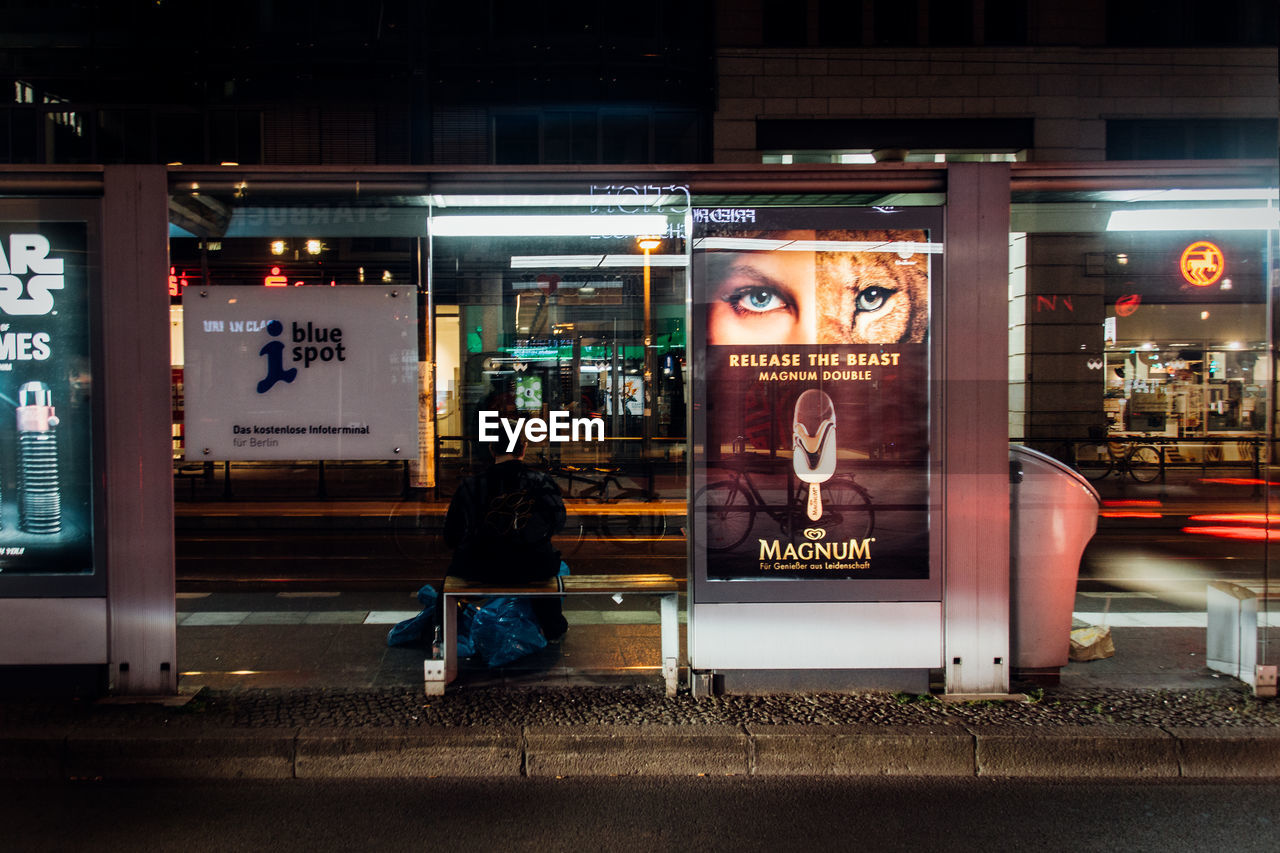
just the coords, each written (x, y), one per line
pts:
(622, 750)
(399, 754)
(862, 750)
(1098, 752)
(948, 750)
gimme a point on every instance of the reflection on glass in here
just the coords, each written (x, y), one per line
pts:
(532, 323)
(1141, 354)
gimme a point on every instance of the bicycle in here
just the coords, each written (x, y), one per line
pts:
(598, 479)
(1143, 462)
(602, 485)
(732, 505)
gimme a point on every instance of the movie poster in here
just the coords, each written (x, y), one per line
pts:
(46, 416)
(816, 423)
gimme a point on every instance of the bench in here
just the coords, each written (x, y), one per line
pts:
(1231, 636)
(439, 673)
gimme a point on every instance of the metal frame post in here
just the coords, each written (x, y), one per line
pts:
(975, 402)
(138, 468)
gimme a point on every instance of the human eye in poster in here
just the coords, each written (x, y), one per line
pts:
(816, 459)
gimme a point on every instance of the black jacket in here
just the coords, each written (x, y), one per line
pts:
(500, 524)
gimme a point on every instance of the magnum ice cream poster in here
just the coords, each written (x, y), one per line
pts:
(815, 462)
(46, 517)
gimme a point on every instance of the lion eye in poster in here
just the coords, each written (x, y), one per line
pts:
(873, 299)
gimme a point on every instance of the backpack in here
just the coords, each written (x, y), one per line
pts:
(515, 514)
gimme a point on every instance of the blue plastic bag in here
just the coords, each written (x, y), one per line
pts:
(504, 629)
(466, 616)
(411, 631)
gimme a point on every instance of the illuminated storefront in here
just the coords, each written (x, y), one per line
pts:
(1186, 334)
(1141, 316)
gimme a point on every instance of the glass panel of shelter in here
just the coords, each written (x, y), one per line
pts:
(1142, 352)
(1120, 331)
(530, 325)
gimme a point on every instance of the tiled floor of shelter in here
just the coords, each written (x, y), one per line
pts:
(332, 639)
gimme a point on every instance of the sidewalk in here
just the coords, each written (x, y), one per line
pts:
(302, 685)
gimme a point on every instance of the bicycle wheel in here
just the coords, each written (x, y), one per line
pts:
(645, 526)
(848, 505)
(730, 513)
(413, 540)
(569, 540)
(1094, 461)
(1143, 463)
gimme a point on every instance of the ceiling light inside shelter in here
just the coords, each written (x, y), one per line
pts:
(1195, 219)
(561, 225)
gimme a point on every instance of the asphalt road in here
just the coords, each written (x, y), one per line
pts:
(731, 814)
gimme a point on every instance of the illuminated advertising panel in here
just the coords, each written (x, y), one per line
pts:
(46, 416)
(301, 373)
(814, 458)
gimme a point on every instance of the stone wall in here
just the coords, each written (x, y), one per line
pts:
(1070, 92)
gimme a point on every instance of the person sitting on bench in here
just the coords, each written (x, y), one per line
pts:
(500, 525)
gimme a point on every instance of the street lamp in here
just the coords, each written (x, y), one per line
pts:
(648, 243)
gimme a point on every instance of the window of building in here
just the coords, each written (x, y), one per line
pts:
(515, 138)
(235, 136)
(839, 23)
(624, 138)
(565, 137)
(950, 22)
(676, 137)
(68, 135)
(1201, 139)
(1005, 22)
(180, 137)
(895, 23)
(124, 136)
(1188, 23)
(785, 23)
(23, 136)
(569, 137)
(517, 19)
